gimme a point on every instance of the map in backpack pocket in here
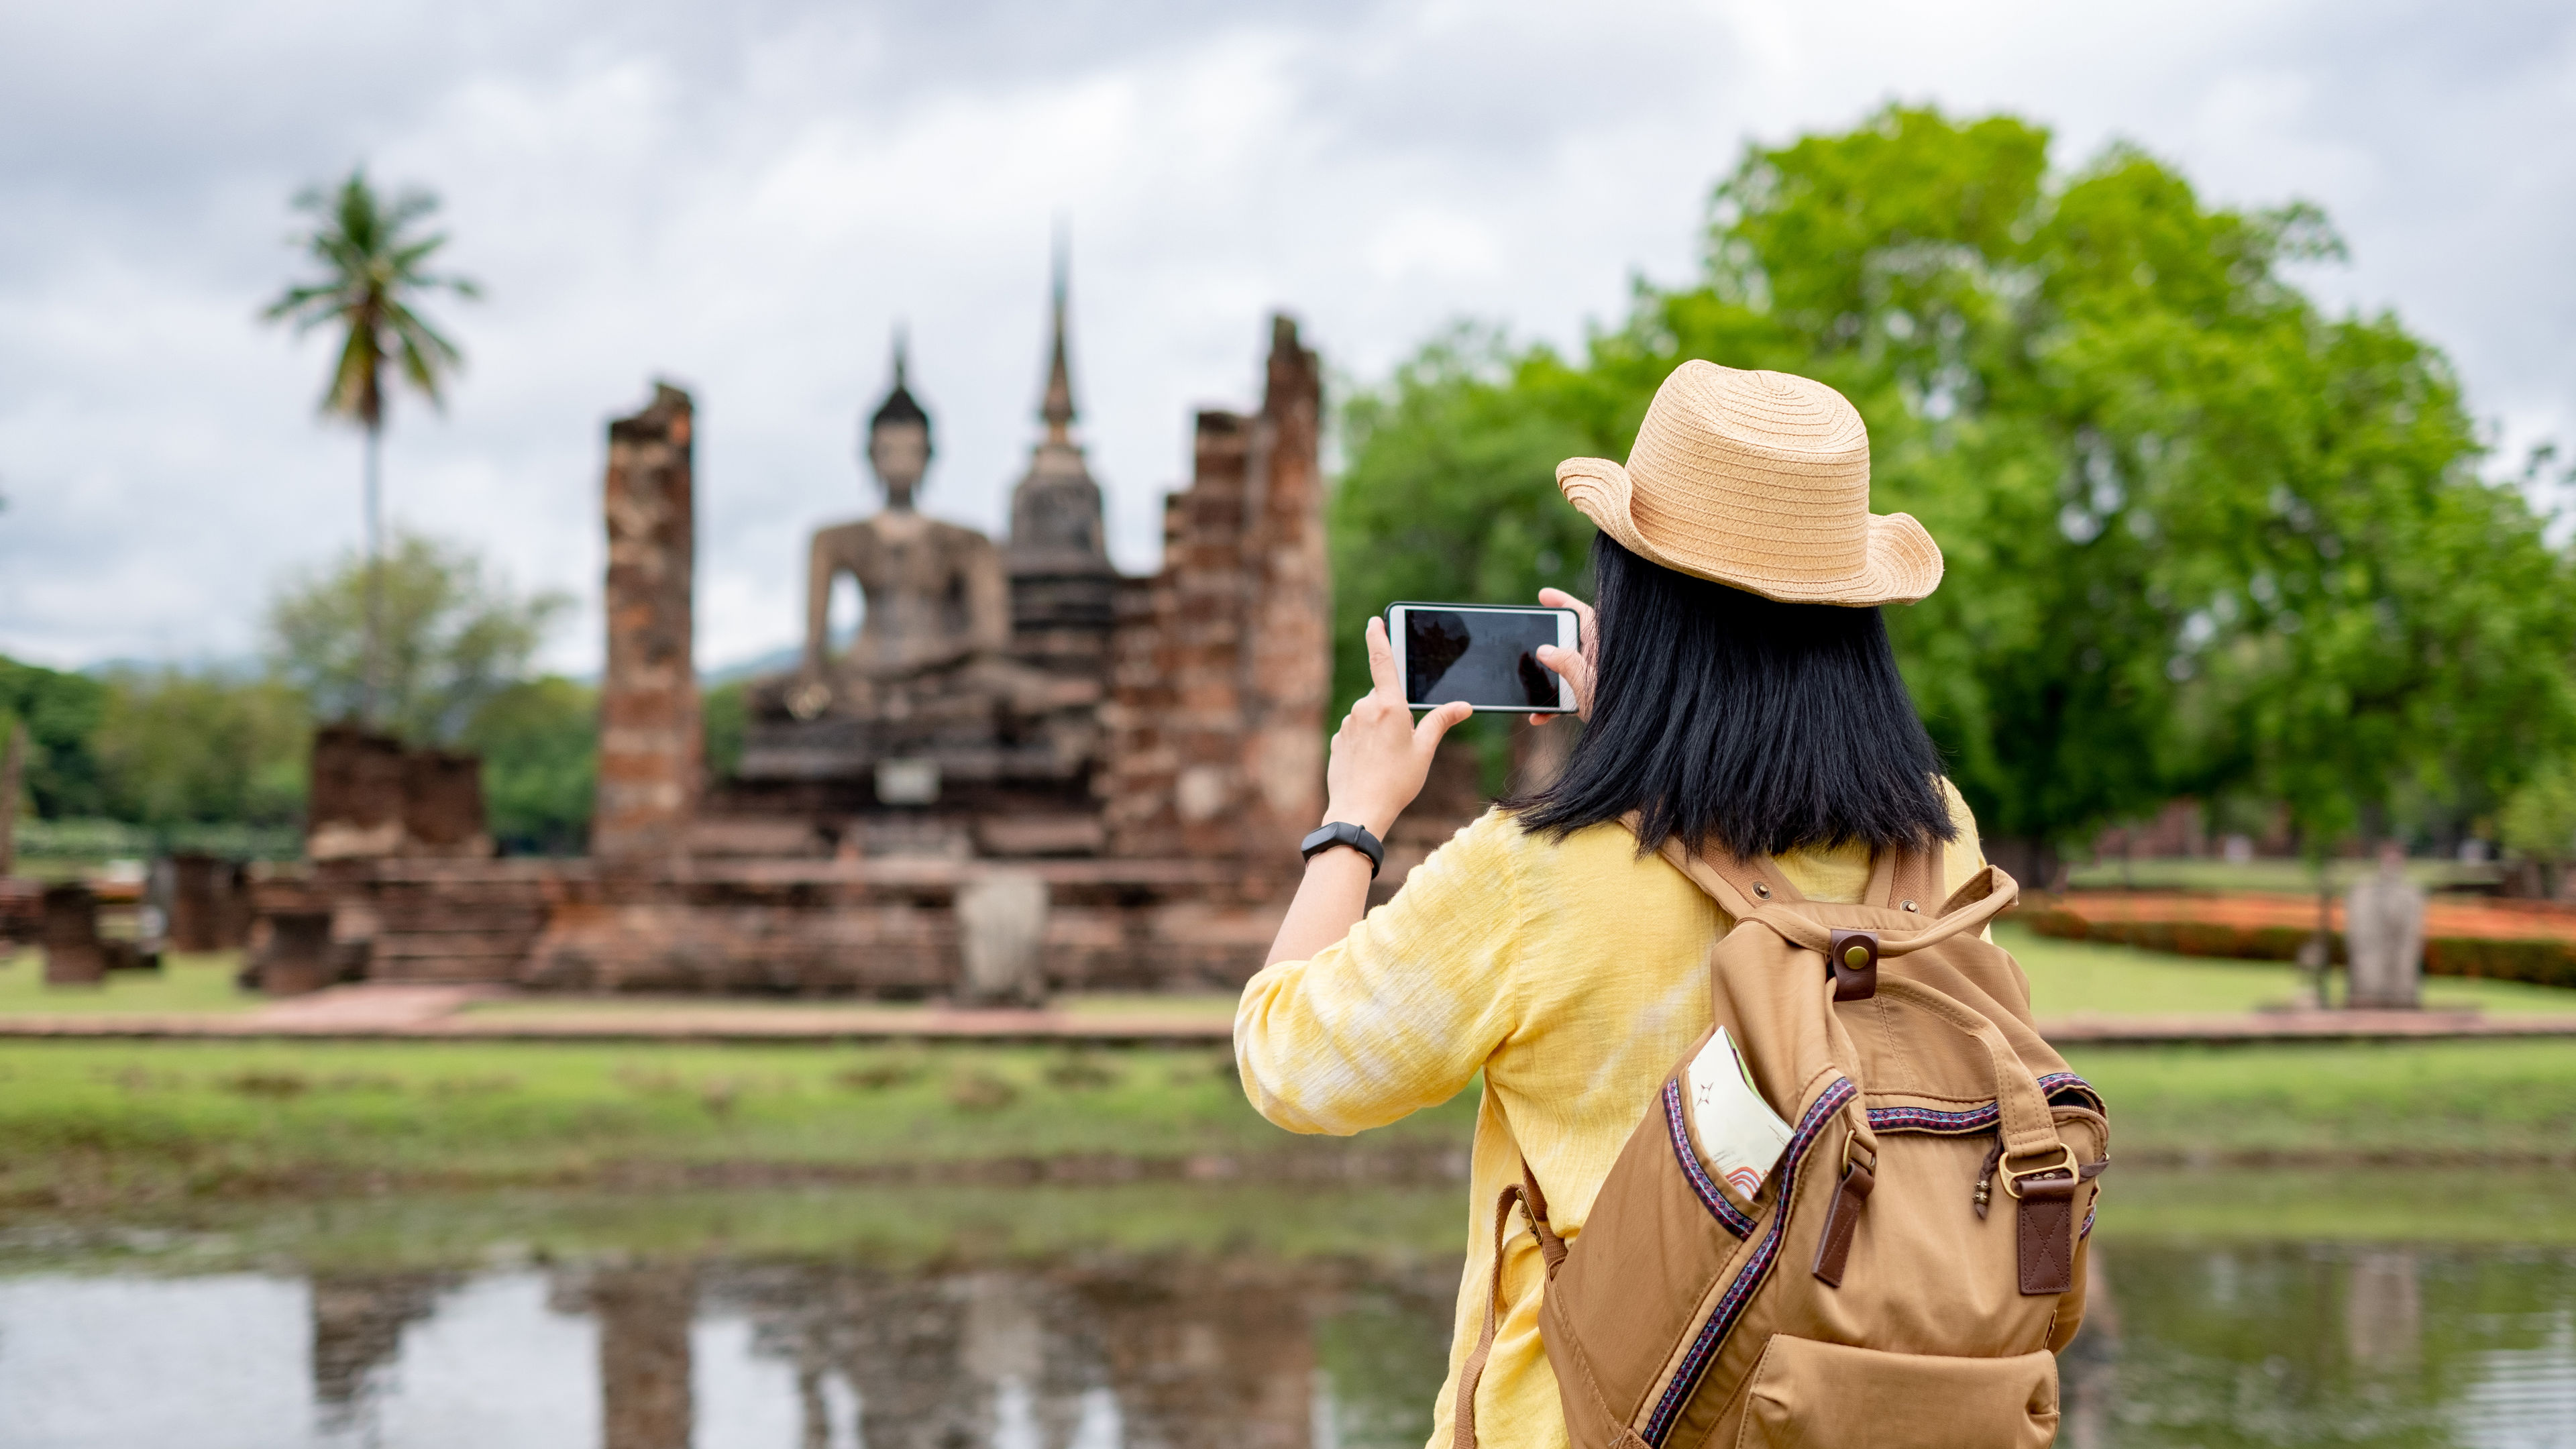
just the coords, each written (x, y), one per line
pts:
(1736, 1132)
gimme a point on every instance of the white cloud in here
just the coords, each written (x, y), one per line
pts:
(747, 199)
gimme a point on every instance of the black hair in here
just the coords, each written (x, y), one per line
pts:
(1732, 720)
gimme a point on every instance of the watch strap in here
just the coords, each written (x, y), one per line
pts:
(1342, 832)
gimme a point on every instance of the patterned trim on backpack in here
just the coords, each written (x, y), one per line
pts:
(1924, 1119)
(2054, 1086)
(1730, 1307)
(2061, 1084)
(1728, 1215)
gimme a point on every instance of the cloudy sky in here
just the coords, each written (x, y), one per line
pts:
(745, 198)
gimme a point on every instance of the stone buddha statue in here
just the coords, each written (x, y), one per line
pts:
(973, 689)
(938, 605)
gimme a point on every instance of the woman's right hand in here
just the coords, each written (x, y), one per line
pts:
(1574, 666)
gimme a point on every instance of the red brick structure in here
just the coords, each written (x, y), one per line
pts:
(1220, 666)
(74, 954)
(355, 809)
(649, 751)
(373, 796)
(210, 902)
(1166, 836)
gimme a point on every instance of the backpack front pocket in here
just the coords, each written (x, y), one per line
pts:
(1810, 1395)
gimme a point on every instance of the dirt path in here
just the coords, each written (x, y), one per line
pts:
(440, 1013)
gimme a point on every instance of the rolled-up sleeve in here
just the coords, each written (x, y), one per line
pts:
(1401, 1013)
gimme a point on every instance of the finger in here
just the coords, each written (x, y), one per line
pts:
(1560, 599)
(1381, 655)
(1573, 668)
(1426, 735)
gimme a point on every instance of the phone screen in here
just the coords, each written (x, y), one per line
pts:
(1487, 657)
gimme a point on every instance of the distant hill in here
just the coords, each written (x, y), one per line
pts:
(244, 668)
(776, 661)
(232, 669)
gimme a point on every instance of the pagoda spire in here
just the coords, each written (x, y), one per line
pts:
(1057, 407)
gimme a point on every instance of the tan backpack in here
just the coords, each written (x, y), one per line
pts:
(1904, 1274)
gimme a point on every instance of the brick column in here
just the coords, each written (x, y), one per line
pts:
(74, 955)
(1288, 655)
(648, 699)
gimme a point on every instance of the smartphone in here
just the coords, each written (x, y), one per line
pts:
(1484, 655)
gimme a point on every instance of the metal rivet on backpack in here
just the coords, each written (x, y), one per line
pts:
(1857, 956)
(1762, 890)
(1909, 905)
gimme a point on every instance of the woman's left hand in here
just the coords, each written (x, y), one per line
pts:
(1380, 756)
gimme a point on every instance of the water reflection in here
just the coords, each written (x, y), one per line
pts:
(2293, 1344)
(1112, 1353)
(1094, 1347)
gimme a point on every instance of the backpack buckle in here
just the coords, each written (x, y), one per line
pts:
(1853, 957)
(2014, 1176)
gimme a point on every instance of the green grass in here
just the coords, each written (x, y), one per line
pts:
(2340, 1102)
(2296, 877)
(184, 983)
(915, 1224)
(893, 1225)
(121, 1120)
(2364, 1205)
(2068, 978)
(167, 1121)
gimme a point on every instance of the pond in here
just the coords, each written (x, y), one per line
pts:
(1140, 1315)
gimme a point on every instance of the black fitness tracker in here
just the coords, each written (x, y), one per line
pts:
(1342, 832)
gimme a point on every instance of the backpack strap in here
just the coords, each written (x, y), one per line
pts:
(1906, 880)
(1551, 1248)
(1743, 886)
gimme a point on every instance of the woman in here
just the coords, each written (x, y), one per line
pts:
(1740, 695)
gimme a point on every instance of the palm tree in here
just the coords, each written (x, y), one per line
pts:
(374, 268)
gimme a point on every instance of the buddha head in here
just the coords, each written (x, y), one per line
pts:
(898, 449)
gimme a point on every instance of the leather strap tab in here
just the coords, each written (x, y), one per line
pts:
(1853, 955)
(1551, 1248)
(1462, 1424)
(1842, 1219)
(2046, 1229)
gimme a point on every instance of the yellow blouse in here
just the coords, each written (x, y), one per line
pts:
(1571, 973)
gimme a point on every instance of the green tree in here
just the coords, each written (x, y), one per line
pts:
(374, 270)
(2539, 822)
(177, 749)
(2200, 537)
(1450, 493)
(61, 713)
(450, 637)
(725, 721)
(539, 740)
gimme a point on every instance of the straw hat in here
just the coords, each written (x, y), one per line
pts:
(1759, 480)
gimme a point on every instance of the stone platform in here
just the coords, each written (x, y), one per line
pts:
(818, 928)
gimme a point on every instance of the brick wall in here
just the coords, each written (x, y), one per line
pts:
(1220, 664)
(648, 699)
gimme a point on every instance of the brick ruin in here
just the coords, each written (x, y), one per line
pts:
(1147, 750)
(1221, 663)
(649, 751)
